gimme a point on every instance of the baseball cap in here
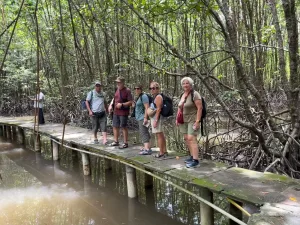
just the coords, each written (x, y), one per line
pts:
(120, 79)
(98, 83)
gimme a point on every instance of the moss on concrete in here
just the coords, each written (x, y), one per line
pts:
(205, 182)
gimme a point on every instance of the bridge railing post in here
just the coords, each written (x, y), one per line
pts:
(55, 153)
(131, 182)
(85, 164)
(206, 212)
(20, 135)
(37, 143)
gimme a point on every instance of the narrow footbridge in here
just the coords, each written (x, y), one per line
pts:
(276, 197)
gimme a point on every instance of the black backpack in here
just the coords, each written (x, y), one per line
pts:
(150, 98)
(167, 109)
(204, 111)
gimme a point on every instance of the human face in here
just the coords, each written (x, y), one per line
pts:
(138, 91)
(120, 85)
(186, 85)
(154, 89)
(98, 87)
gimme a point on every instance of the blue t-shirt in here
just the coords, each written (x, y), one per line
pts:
(98, 101)
(140, 108)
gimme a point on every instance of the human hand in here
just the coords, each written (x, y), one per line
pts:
(119, 105)
(196, 126)
(90, 113)
(145, 121)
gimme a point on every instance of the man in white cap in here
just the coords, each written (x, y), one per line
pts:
(97, 106)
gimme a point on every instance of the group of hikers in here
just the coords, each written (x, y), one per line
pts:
(153, 108)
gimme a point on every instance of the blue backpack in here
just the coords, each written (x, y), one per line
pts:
(83, 105)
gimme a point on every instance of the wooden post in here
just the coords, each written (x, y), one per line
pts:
(131, 182)
(206, 212)
(233, 210)
(4, 131)
(85, 164)
(55, 152)
(37, 143)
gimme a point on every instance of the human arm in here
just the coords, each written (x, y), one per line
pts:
(87, 103)
(129, 101)
(199, 106)
(159, 103)
(145, 101)
(110, 107)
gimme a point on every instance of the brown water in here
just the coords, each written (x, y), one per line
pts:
(34, 190)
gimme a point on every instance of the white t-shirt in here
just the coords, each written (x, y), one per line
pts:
(40, 97)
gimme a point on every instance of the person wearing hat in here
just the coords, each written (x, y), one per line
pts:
(120, 107)
(96, 105)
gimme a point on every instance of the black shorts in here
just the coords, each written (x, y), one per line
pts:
(120, 121)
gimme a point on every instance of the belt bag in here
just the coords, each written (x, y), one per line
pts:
(99, 114)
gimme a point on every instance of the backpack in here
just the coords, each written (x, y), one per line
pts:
(204, 111)
(167, 109)
(83, 105)
(150, 98)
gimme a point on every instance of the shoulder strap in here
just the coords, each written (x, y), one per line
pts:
(193, 95)
(92, 92)
(140, 97)
(122, 99)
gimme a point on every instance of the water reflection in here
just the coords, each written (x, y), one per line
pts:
(39, 191)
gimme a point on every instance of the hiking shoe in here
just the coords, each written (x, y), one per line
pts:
(96, 141)
(193, 164)
(189, 159)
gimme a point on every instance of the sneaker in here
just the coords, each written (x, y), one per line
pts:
(193, 164)
(146, 152)
(96, 141)
(188, 160)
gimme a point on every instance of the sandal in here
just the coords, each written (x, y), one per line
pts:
(161, 155)
(115, 143)
(124, 145)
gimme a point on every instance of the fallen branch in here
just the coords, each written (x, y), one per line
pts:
(272, 164)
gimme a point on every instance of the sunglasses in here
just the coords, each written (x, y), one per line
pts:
(98, 85)
(137, 88)
(153, 88)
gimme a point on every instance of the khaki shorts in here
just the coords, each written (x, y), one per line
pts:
(159, 128)
(187, 128)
